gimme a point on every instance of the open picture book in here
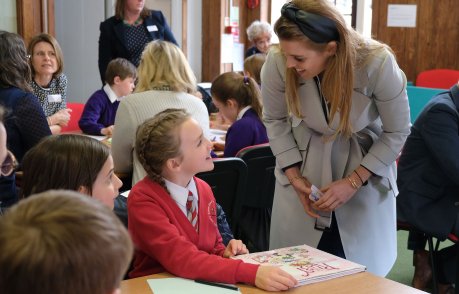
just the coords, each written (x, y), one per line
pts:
(308, 265)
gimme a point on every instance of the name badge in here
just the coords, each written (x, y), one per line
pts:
(54, 98)
(152, 28)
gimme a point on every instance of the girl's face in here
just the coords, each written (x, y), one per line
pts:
(228, 110)
(44, 60)
(134, 6)
(3, 150)
(106, 186)
(308, 63)
(195, 149)
(262, 42)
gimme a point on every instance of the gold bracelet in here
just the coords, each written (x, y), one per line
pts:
(360, 178)
(353, 183)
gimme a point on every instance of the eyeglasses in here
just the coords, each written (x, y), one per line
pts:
(8, 165)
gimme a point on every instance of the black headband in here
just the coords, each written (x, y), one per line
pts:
(319, 29)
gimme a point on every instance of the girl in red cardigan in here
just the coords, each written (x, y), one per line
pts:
(179, 237)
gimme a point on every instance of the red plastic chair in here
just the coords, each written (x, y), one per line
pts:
(438, 78)
(77, 110)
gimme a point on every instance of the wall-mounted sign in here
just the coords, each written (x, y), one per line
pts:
(401, 15)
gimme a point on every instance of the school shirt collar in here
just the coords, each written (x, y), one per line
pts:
(242, 112)
(180, 194)
(111, 94)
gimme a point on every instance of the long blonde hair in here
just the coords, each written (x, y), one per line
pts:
(338, 77)
(164, 65)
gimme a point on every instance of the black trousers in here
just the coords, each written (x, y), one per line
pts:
(331, 240)
(446, 257)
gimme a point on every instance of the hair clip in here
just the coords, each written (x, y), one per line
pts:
(246, 80)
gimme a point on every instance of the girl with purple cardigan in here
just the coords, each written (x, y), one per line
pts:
(98, 116)
(238, 99)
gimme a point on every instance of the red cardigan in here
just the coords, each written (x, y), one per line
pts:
(165, 240)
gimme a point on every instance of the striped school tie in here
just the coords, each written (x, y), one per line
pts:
(192, 212)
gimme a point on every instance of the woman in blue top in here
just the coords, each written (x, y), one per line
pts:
(238, 99)
(24, 120)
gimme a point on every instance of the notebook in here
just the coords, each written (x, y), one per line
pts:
(307, 264)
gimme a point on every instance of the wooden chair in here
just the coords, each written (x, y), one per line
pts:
(255, 220)
(77, 110)
(228, 181)
(437, 78)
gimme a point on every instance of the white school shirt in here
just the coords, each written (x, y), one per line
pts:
(180, 194)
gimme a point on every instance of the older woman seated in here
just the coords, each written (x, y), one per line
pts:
(259, 33)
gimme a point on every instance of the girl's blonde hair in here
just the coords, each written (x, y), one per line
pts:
(158, 140)
(338, 77)
(253, 65)
(243, 89)
(163, 65)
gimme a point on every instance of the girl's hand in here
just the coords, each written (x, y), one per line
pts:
(335, 195)
(235, 247)
(271, 278)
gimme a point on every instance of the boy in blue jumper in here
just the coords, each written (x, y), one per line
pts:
(99, 112)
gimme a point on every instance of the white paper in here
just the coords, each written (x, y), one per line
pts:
(227, 48)
(179, 286)
(401, 15)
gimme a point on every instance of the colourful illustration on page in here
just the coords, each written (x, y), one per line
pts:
(306, 264)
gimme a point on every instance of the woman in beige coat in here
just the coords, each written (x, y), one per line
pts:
(337, 115)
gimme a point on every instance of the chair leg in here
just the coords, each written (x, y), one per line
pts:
(433, 265)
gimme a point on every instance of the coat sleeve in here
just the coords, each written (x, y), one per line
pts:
(168, 36)
(105, 48)
(123, 139)
(275, 113)
(440, 131)
(392, 104)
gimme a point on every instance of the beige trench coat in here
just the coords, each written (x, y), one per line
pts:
(380, 120)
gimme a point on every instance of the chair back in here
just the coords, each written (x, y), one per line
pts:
(418, 98)
(260, 178)
(437, 78)
(77, 110)
(228, 181)
(254, 223)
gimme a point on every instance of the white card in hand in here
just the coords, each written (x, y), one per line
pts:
(315, 193)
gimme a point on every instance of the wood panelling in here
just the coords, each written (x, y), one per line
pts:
(213, 13)
(433, 43)
(31, 16)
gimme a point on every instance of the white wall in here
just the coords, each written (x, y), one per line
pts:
(77, 31)
(8, 21)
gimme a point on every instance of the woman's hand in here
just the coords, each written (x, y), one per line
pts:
(235, 247)
(302, 188)
(61, 117)
(271, 278)
(335, 195)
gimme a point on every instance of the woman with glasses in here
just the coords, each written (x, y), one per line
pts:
(24, 120)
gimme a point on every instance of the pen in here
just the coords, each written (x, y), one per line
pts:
(231, 287)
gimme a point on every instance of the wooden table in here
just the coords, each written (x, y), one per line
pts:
(361, 283)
